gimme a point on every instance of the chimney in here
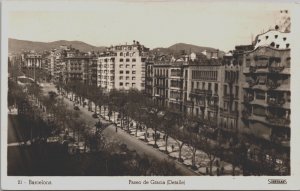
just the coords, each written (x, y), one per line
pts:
(133, 42)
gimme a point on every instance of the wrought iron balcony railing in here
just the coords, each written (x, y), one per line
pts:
(276, 69)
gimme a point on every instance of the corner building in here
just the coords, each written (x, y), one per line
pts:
(123, 67)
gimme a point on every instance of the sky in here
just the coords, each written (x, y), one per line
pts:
(153, 23)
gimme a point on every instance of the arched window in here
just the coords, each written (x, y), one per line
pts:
(121, 53)
(127, 54)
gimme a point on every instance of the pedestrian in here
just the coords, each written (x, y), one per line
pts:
(217, 163)
(172, 148)
(222, 170)
(218, 171)
(207, 171)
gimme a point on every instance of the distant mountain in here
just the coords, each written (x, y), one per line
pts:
(18, 46)
(187, 48)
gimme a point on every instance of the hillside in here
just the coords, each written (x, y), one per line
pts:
(179, 47)
(18, 46)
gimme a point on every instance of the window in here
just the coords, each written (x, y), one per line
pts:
(127, 72)
(127, 65)
(121, 54)
(133, 72)
(121, 77)
(121, 65)
(133, 60)
(121, 59)
(127, 84)
(127, 78)
(121, 83)
(260, 95)
(121, 71)
(127, 60)
(133, 66)
(216, 88)
(133, 78)
(236, 91)
(127, 54)
(225, 90)
(133, 84)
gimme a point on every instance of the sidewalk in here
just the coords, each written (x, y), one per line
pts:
(202, 160)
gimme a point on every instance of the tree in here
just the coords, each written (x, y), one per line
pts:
(170, 120)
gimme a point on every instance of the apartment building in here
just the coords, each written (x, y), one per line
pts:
(31, 60)
(77, 67)
(122, 67)
(149, 77)
(266, 87)
(106, 70)
(203, 89)
(160, 92)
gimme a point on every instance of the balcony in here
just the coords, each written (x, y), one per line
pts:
(245, 114)
(252, 69)
(213, 107)
(281, 140)
(160, 76)
(276, 69)
(278, 121)
(160, 86)
(200, 93)
(189, 103)
(248, 99)
(275, 102)
(224, 112)
(272, 84)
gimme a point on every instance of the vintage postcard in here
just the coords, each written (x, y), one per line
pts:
(149, 95)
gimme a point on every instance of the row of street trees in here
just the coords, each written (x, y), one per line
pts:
(133, 105)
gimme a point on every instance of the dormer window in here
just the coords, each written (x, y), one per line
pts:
(276, 36)
(287, 45)
(267, 37)
(284, 38)
(258, 40)
(272, 44)
(277, 45)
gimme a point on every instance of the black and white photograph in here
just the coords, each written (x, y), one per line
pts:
(151, 92)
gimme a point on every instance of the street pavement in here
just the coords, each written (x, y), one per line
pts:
(122, 137)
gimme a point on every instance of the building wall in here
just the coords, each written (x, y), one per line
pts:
(204, 91)
(267, 93)
(130, 67)
(106, 72)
